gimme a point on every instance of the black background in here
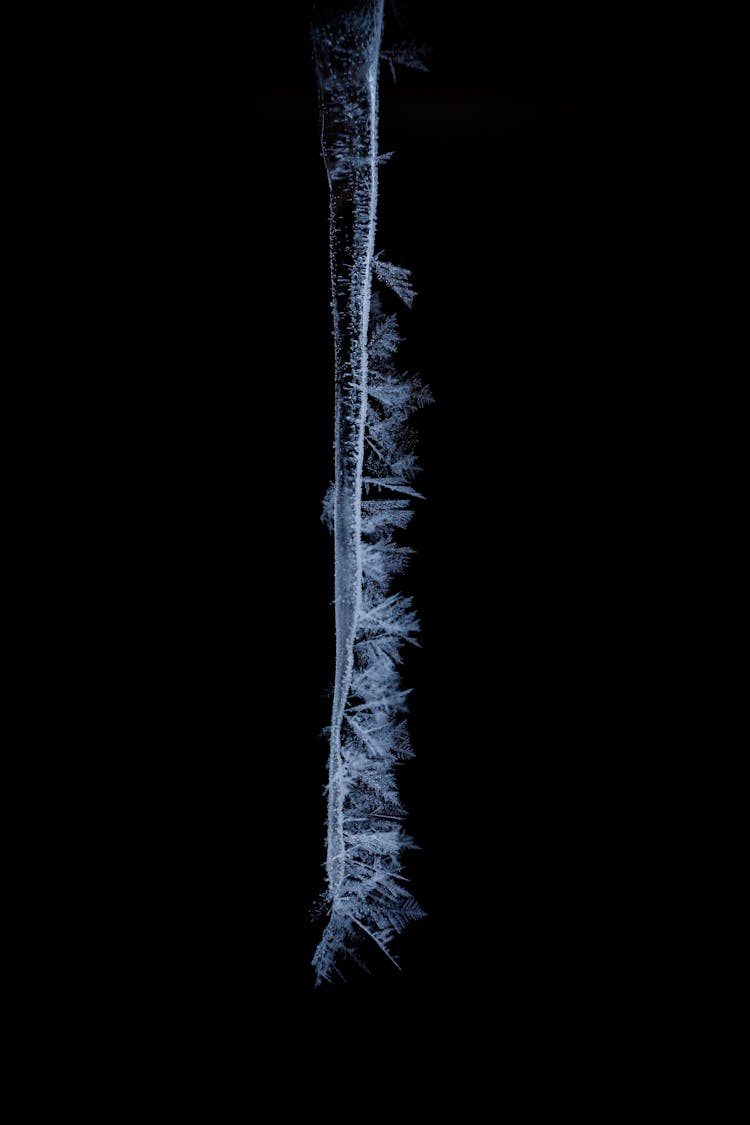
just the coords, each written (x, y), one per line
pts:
(514, 197)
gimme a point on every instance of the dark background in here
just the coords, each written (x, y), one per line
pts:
(516, 197)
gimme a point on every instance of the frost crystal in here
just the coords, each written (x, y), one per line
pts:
(366, 507)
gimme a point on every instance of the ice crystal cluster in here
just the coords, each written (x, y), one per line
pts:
(368, 504)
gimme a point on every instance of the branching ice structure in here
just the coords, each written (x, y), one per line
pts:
(367, 505)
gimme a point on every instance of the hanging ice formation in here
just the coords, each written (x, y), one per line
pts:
(367, 506)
